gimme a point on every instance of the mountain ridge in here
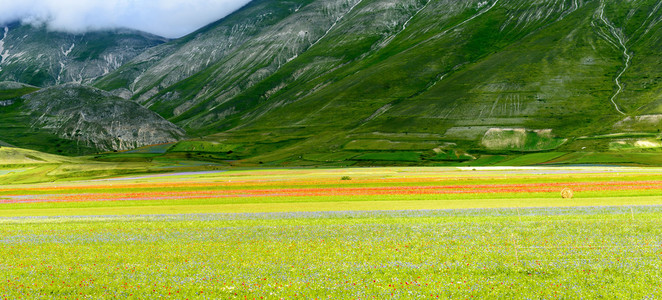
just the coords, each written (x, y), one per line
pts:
(38, 56)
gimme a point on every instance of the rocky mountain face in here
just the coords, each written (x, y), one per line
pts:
(77, 119)
(167, 64)
(37, 56)
(218, 63)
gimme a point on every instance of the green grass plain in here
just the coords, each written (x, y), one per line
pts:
(497, 253)
(199, 231)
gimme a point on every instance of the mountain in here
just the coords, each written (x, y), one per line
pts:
(75, 119)
(250, 46)
(415, 75)
(37, 56)
(368, 80)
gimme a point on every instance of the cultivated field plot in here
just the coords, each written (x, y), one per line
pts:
(346, 233)
(296, 190)
(506, 253)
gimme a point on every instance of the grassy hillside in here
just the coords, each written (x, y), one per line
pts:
(170, 63)
(17, 156)
(12, 90)
(432, 76)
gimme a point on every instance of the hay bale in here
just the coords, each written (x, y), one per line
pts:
(567, 193)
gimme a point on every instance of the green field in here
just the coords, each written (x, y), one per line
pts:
(399, 233)
(503, 253)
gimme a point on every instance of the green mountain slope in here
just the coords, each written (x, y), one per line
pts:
(269, 47)
(376, 75)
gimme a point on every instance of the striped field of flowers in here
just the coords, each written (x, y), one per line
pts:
(565, 253)
(314, 190)
(374, 233)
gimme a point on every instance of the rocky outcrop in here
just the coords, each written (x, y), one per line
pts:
(97, 119)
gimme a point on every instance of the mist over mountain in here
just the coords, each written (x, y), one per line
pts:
(285, 79)
(168, 18)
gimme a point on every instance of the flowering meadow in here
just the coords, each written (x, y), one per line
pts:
(394, 233)
(589, 252)
(292, 190)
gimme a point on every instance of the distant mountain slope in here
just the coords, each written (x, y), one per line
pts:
(43, 58)
(348, 80)
(246, 48)
(75, 119)
(303, 51)
(507, 63)
(12, 156)
(167, 64)
(11, 90)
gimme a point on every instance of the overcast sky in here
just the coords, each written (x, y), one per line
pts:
(169, 18)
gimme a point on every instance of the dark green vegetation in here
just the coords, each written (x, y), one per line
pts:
(502, 253)
(242, 157)
(409, 82)
(12, 90)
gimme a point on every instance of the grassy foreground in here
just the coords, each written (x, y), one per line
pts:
(504, 253)
(397, 233)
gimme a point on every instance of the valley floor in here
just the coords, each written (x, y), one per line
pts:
(401, 232)
(319, 189)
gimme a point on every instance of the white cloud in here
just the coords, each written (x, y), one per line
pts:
(169, 18)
